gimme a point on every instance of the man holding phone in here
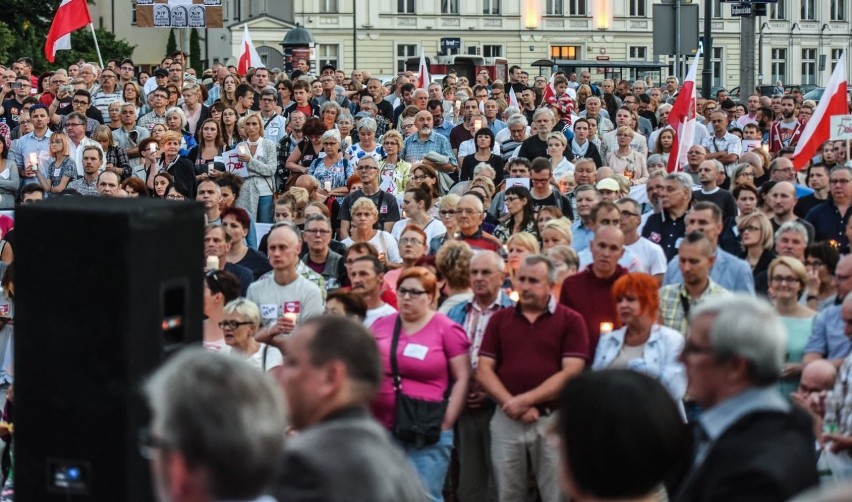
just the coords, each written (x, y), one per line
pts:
(14, 93)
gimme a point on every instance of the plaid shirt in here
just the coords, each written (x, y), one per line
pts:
(673, 298)
(415, 149)
(476, 321)
(83, 187)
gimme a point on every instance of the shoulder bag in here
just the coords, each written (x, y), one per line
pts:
(416, 422)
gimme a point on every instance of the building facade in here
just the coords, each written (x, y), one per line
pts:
(798, 40)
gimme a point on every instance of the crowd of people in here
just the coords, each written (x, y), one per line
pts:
(486, 249)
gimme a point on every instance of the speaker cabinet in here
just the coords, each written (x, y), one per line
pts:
(105, 290)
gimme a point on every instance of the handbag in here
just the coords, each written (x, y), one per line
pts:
(416, 422)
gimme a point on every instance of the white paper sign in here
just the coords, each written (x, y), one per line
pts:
(751, 144)
(233, 164)
(841, 127)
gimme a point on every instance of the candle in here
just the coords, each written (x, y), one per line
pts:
(606, 327)
(212, 263)
(152, 147)
(458, 104)
(514, 296)
(477, 124)
(327, 186)
(242, 149)
(33, 158)
(210, 168)
(290, 316)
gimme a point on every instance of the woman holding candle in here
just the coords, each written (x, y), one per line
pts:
(364, 217)
(642, 344)
(228, 128)
(484, 143)
(310, 149)
(442, 369)
(60, 170)
(394, 171)
(259, 156)
(240, 322)
(625, 161)
(331, 170)
(210, 146)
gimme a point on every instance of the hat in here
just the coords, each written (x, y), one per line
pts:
(363, 115)
(608, 184)
(327, 66)
(159, 72)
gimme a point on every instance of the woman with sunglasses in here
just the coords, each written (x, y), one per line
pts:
(239, 324)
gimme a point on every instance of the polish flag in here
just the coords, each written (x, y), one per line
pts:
(70, 16)
(682, 120)
(549, 94)
(818, 129)
(249, 58)
(513, 98)
(423, 78)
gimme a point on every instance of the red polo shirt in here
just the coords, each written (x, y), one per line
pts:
(592, 298)
(528, 353)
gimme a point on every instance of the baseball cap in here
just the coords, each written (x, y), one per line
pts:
(327, 66)
(159, 72)
(608, 184)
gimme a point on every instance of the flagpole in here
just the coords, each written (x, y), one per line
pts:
(97, 48)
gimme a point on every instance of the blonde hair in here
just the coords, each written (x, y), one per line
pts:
(170, 136)
(364, 203)
(449, 201)
(245, 308)
(525, 240)
(299, 195)
(250, 116)
(562, 226)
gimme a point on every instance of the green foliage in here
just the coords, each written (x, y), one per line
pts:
(195, 52)
(83, 47)
(6, 39)
(171, 45)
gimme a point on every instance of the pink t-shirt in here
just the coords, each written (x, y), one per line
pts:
(423, 360)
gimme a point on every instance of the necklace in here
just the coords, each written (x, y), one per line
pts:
(253, 143)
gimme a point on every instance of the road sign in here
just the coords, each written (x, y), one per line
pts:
(664, 33)
(741, 9)
(841, 127)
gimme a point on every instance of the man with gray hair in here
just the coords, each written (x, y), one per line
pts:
(751, 443)
(668, 226)
(473, 438)
(594, 110)
(216, 423)
(536, 146)
(828, 340)
(330, 377)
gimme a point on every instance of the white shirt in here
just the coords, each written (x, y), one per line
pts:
(651, 255)
(433, 229)
(373, 314)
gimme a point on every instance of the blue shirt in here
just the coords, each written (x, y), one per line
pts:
(415, 149)
(497, 126)
(728, 271)
(827, 338)
(29, 143)
(828, 223)
(444, 129)
(582, 236)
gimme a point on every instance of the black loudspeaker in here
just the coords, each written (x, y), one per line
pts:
(105, 290)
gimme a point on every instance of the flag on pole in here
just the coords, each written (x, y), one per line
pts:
(423, 78)
(682, 120)
(549, 94)
(70, 16)
(564, 103)
(513, 99)
(249, 58)
(818, 129)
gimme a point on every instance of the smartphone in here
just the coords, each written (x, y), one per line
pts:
(15, 85)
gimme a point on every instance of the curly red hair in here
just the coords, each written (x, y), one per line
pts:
(641, 286)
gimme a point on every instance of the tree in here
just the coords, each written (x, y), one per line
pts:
(29, 22)
(171, 45)
(195, 52)
(6, 41)
(83, 47)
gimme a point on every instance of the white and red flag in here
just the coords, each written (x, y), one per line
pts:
(249, 58)
(70, 16)
(818, 129)
(682, 119)
(423, 75)
(513, 98)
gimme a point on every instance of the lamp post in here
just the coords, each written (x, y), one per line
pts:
(297, 45)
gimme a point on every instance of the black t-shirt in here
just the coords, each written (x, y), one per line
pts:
(386, 203)
(470, 162)
(533, 148)
(257, 262)
(11, 111)
(805, 204)
(562, 203)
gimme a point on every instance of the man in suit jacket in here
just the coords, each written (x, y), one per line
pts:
(340, 453)
(751, 443)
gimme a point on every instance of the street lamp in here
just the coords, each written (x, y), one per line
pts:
(602, 14)
(531, 16)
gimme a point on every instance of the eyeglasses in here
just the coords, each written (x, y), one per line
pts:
(410, 240)
(233, 324)
(367, 168)
(780, 279)
(72, 124)
(447, 212)
(418, 177)
(839, 182)
(410, 293)
(175, 197)
(268, 100)
(318, 231)
(126, 68)
(512, 198)
(628, 214)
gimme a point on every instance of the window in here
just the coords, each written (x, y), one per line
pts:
(133, 14)
(328, 7)
(638, 52)
(554, 8)
(838, 10)
(491, 7)
(403, 52)
(565, 52)
(778, 10)
(449, 6)
(808, 10)
(578, 8)
(717, 8)
(808, 66)
(779, 65)
(637, 8)
(405, 6)
(835, 57)
(492, 51)
(329, 54)
(716, 64)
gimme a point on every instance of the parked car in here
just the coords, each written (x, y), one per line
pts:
(816, 94)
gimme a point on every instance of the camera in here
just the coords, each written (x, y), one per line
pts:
(66, 89)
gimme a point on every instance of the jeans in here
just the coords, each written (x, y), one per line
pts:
(264, 209)
(431, 463)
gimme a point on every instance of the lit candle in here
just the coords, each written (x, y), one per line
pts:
(606, 327)
(152, 147)
(477, 124)
(33, 158)
(458, 105)
(327, 186)
(290, 316)
(212, 263)
(242, 149)
(514, 296)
